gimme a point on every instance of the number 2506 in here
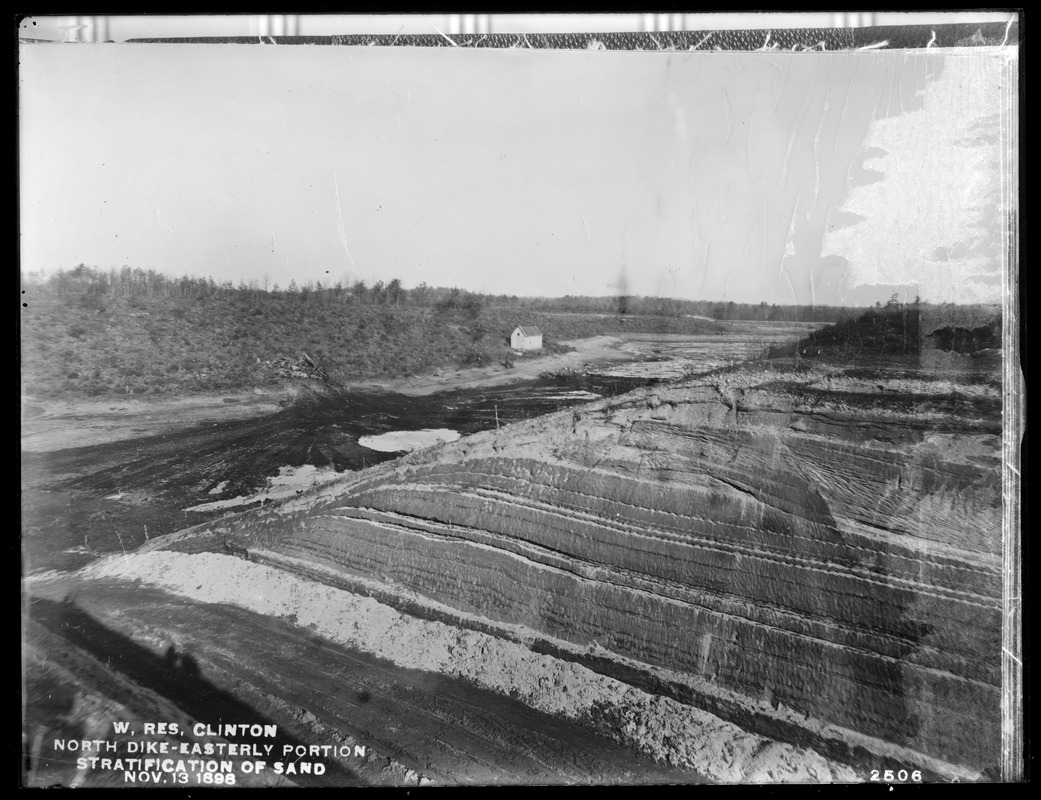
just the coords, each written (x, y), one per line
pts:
(900, 775)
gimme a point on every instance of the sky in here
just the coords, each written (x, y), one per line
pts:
(826, 178)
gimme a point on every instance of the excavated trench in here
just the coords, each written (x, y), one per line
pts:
(808, 559)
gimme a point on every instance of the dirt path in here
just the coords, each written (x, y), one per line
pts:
(49, 425)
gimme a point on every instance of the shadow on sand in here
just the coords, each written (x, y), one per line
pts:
(176, 676)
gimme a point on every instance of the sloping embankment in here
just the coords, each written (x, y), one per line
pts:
(814, 558)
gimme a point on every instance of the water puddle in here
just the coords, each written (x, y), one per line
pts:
(407, 441)
(571, 397)
(290, 481)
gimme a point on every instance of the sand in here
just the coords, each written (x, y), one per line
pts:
(660, 727)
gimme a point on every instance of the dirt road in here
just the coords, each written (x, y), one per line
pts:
(596, 348)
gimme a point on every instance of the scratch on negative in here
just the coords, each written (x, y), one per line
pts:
(707, 37)
(1008, 27)
(767, 45)
(788, 278)
(339, 216)
(1011, 655)
(447, 38)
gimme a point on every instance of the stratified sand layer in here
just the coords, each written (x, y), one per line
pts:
(813, 555)
(660, 727)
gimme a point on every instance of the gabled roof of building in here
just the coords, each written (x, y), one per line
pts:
(528, 330)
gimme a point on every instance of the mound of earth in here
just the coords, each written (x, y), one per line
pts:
(758, 575)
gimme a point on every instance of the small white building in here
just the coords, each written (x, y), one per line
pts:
(526, 338)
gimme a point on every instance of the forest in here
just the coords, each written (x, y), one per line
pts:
(92, 332)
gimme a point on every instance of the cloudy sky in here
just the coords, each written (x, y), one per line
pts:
(784, 177)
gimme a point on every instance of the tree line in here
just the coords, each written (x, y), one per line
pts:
(127, 282)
